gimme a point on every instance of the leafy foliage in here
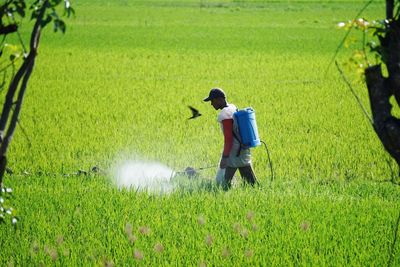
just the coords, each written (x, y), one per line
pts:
(370, 50)
(371, 32)
(52, 15)
(11, 14)
(9, 9)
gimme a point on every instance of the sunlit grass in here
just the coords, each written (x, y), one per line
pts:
(117, 85)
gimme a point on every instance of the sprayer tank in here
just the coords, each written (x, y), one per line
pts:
(246, 120)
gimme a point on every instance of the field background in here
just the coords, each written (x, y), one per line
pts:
(117, 86)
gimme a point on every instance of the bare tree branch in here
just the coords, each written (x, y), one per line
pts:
(354, 93)
(8, 29)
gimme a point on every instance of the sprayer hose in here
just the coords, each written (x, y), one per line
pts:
(269, 160)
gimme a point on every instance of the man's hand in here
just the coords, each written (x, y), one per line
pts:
(223, 163)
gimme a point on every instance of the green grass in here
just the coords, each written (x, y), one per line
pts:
(118, 84)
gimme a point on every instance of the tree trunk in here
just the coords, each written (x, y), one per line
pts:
(23, 75)
(385, 125)
(380, 89)
(389, 9)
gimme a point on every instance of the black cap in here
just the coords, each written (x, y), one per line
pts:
(215, 93)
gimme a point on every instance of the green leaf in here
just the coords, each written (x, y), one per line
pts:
(59, 25)
(35, 14)
(54, 3)
(21, 11)
(20, 8)
(46, 21)
(35, 5)
(53, 13)
(69, 11)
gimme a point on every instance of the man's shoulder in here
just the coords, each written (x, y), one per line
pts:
(232, 106)
(229, 108)
(227, 112)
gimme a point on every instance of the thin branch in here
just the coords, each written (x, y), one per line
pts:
(345, 37)
(9, 65)
(23, 131)
(4, 82)
(21, 41)
(19, 34)
(364, 50)
(354, 93)
(2, 41)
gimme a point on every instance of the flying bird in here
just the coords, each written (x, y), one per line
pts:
(195, 113)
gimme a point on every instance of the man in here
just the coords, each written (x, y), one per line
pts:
(234, 156)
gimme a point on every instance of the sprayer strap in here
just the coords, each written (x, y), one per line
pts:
(238, 139)
(240, 147)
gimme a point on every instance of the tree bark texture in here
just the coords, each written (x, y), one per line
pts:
(4, 30)
(385, 125)
(389, 9)
(393, 57)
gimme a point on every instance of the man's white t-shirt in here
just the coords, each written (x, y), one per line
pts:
(226, 113)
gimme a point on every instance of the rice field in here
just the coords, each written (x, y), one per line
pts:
(116, 87)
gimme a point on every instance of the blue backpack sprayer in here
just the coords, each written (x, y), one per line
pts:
(248, 131)
(245, 121)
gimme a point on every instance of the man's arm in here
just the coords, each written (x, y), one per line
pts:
(228, 140)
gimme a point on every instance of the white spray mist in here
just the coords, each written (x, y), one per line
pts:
(143, 175)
